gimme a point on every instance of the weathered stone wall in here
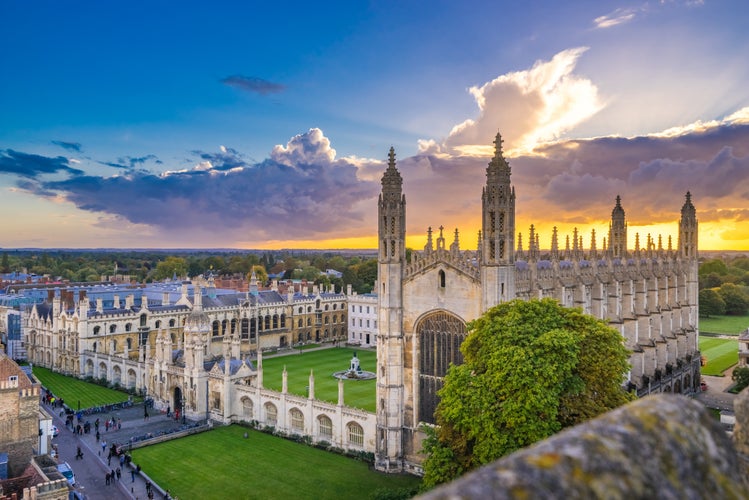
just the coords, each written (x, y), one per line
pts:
(741, 430)
(661, 446)
(19, 424)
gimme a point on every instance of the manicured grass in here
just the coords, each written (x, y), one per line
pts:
(721, 354)
(357, 393)
(73, 390)
(725, 325)
(222, 464)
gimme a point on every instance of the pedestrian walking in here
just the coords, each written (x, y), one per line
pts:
(112, 475)
(122, 459)
(119, 424)
(132, 475)
(107, 478)
(103, 445)
(148, 487)
(119, 473)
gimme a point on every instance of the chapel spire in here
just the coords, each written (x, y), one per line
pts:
(688, 229)
(498, 229)
(618, 231)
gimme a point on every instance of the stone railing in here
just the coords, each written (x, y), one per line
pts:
(661, 446)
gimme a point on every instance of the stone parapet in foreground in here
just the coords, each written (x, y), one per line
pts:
(661, 446)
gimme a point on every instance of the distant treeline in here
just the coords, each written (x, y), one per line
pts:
(358, 268)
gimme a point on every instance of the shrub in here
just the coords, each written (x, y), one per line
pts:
(741, 378)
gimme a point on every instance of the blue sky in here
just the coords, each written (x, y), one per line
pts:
(236, 124)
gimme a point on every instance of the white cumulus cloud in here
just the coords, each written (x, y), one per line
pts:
(527, 107)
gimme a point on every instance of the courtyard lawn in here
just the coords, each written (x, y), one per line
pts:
(721, 354)
(73, 390)
(724, 325)
(356, 393)
(222, 464)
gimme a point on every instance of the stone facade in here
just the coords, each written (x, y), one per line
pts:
(199, 351)
(648, 293)
(19, 416)
(363, 316)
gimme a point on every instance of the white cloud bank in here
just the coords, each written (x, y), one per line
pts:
(528, 107)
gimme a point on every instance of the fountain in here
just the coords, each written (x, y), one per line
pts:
(354, 371)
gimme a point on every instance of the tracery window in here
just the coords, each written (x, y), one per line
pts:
(271, 414)
(247, 409)
(325, 426)
(440, 335)
(297, 419)
(355, 434)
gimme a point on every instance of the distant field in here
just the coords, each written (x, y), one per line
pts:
(725, 325)
(221, 464)
(73, 390)
(357, 393)
(721, 354)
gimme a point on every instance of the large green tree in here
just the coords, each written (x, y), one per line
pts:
(735, 297)
(530, 368)
(169, 267)
(711, 303)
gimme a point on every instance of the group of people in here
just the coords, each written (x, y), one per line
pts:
(113, 476)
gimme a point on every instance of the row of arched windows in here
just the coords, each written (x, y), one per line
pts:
(354, 431)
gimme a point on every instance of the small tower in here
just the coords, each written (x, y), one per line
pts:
(498, 228)
(618, 231)
(390, 265)
(688, 229)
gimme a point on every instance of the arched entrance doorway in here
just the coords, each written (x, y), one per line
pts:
(179, 404)
(439, 336)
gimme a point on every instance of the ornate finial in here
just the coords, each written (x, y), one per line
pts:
(391, 157)
(428, 247)
(498, 145)
(441, 229)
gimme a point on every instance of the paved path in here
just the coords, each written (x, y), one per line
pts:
(91, 471)
(716, 395)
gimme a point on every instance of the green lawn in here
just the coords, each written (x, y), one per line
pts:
(721, 354)
(725, 325)
(73, 390)
(222, 464)
(357, 393)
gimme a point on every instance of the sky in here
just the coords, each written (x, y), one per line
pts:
(258, 125)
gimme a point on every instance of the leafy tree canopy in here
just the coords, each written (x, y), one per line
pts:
(530, 368)
(169, 267)
(711, 303)
(735, 297)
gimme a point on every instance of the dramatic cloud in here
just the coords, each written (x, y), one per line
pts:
(70, 146)
(253, 84)
(302, 191)
(305, 149)
(32, 165)
(575, 182)
(528, 107)
(225, 159)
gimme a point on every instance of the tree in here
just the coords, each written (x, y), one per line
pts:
(711, 303)
(740, 376)
(5, 264)
(736, 299)
(170, 267)
(530, 369)
(260, 273)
